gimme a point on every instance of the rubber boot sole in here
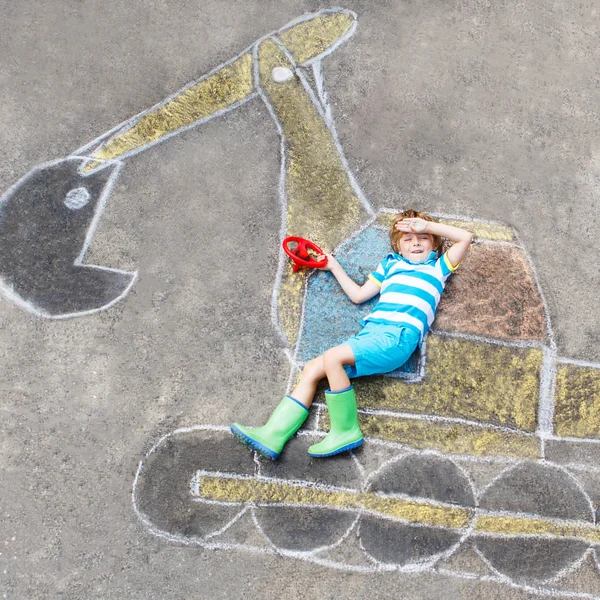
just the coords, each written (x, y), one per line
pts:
(253, 444)
(345, 448)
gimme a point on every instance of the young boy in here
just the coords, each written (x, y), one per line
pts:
(410, 281)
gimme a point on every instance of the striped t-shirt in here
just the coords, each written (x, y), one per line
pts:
(410, 292)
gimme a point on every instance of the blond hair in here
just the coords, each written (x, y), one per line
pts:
(411, 213)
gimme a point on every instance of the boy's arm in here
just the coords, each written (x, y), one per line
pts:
(461, 237)
(357, 293)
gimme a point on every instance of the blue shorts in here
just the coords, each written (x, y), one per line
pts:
(381, 348)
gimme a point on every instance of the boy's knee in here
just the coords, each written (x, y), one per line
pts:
(331, 359)
(314, 367)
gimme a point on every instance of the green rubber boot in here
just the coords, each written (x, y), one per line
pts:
(270, 439)
(344, 432)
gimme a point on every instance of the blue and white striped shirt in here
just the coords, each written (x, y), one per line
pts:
(410, 292)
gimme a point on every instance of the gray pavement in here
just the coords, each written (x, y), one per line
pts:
(477, 109)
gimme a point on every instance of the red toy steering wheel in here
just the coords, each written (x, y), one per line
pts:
(300, 254)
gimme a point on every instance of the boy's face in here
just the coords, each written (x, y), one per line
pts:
(416, 246)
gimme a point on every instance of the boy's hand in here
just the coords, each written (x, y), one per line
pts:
(415, 225)
(331, 262)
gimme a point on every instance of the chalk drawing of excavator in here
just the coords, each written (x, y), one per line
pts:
(486, 392)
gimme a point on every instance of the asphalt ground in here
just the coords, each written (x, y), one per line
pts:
(478, 109)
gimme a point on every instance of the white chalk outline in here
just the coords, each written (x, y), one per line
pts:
(568, 568)
(443, 419)
(102, 140)
(426, 566)
(86, 153)
(7, 290)
(544, 463)
(320, 549)
(324, 109)
(432, 560)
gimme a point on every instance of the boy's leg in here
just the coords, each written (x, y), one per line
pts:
(334, 361)
(269, 440)
(313, 372)
(344, 433)
(287, 418)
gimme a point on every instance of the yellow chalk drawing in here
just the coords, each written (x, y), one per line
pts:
(321, 201)
(453, 438)
(275, 492)
(516, 525)
(491, 384)
(259, 491)
(577, 401)
(424, 512)
(308, 40)
(230, 84)
(289, 301)
(218, 91)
